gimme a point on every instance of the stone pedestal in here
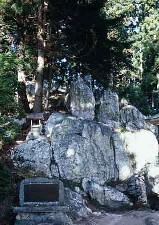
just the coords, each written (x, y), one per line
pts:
(53, 215)
(42, 203)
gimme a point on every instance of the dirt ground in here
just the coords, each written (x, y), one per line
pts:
(146, 217)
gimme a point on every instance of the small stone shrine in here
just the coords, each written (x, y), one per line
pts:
(41, 203)
(37, 126)
(36, 120)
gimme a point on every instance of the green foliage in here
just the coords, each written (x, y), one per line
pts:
(8, 83)
(136, 96)
(117, 8)
(9, 130)
(5, 182)
(142, 81)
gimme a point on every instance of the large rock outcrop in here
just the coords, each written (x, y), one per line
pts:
(81, 149)
(119, 146)
(81, 100)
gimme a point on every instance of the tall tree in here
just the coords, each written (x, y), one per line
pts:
(41, 59)
(92, 39)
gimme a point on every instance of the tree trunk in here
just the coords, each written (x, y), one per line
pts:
(157, 76)
(22, 97)
(39, 82)
(39, 76)
(48, 89)
(141, 69)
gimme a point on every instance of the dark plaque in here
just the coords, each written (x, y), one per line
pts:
(41, 192)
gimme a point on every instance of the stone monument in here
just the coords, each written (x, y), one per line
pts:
(41, 202)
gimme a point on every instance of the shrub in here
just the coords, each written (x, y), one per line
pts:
(9, 130)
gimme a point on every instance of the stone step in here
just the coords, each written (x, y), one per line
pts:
(44, 218)
(31, 222)
(41, 209)
(58, 223)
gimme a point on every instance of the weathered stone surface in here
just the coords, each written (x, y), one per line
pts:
(61, 124)
(122, 160)
(80, 149)
(88, 149)
(34, 155)
(85, 151)
(132, 119)
(108, 107)
(54, 119)
(82, 101)
(136, 189)
(76, 204)
(106, 196)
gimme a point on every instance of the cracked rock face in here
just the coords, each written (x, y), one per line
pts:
(79, 149)
(87, 151)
